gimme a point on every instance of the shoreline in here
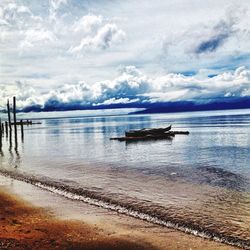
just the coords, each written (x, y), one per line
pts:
(80, 225)
(27, 227)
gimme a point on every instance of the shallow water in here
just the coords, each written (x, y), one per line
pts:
(199, 183)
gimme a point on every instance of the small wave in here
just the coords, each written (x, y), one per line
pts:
(101, 200)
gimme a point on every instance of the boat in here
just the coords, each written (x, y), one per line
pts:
(167, 135)
(147, 131)
(150, 134)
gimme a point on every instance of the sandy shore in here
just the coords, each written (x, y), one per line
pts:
(25, 226)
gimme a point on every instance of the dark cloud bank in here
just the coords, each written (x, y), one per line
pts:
(160, 107)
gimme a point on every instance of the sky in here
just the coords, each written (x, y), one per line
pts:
(99, 53)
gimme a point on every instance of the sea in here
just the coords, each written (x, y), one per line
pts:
(197, 183)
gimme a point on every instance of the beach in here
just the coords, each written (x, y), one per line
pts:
(26, 227)
(31, 218)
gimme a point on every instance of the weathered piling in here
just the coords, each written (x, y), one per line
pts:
(10, 141)
(21, 123)
(1, 134)
(9, 118)
(6, 128)
(14, 117)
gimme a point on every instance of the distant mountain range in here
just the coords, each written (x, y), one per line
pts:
(185, 106)
(148, 108)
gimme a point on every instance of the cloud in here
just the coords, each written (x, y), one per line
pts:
(21, 26)
(118, 101)
(49, 43)
(88, 23)
(54, 7)
(134, 87)
(34, 37)
(212, 44)
(57, 3)
(30, 31)
(15, 16)
(99, 35)
(217, 36)
(207, 44)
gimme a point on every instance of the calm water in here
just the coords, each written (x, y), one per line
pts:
(198, 182)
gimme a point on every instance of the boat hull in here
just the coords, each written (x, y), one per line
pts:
(145, 132)
(167, 135)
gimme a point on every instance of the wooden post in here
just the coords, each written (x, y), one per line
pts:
(9, 118)
(1, 134)
(14, 116)
(10, 140)
(21, 123)
(6, 128)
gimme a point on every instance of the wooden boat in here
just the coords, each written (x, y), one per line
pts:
(145, 131)
(167, 135)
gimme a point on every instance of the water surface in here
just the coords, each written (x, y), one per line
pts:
(199, 183)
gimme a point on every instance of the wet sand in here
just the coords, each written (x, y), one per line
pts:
(26, 227)
(41, 225)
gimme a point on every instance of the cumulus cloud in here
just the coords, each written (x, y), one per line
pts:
(132, 86)
(13, 16)
(89, 32)
(25, 94)
(19, 25)
(99, 34)
(49, 43)
(88, 23)
(10, 12)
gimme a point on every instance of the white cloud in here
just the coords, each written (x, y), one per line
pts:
(118, 101)
(36, 36)
(207, 43)
(102, 35)
(107, 35)
(19, 24)
(54, 7)
(57, 3)
(134, 86)
(50, 43)
(14, 15)
(88, 23)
